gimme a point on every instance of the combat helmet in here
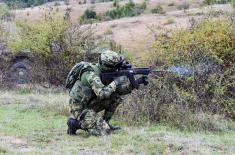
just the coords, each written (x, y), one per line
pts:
(110, 60)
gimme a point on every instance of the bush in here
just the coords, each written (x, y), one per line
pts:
(171, 4)
(210, 2)
(57, 3)
(129, 10)
(13, 4)
(193, 99)
(169, 21)
(3, 10)
(233, 3)
(158, 9)
(55, 45)
(116, 3)
(208, 50)
(183, 6)
(88, 16)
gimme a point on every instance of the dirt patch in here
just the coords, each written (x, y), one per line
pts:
(16, 144)
(196, 144)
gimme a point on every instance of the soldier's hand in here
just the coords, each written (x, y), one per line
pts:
(119, 80)
(143, 80)
(123, 85)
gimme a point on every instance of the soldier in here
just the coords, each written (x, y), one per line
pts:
(89, 95)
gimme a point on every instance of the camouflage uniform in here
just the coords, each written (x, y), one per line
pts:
(90, 96)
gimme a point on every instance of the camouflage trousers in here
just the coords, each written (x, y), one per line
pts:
(88, 117)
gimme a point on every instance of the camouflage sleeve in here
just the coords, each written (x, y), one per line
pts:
(101, 91)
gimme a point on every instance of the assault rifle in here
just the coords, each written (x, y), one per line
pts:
(128, 71)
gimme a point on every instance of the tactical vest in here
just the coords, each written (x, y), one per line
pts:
(81, 90)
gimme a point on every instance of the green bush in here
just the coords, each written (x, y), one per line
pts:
(209, 50)
(183, 6)
(202, 99)
(116, 3)
(13, 4)
(169, 21)
(55, 45)
(88, 16)
(3, 10)
(158, 9)
(128, 10)
(210, 2)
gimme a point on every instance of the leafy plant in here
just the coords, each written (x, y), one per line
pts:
(169, 21)
(183, 6)
(128, 10)
(88, 16)
(116, 3)
(3, 10)
(25, 3)
(54, 45)
(210, 2)
(158, 9)
(205, 96)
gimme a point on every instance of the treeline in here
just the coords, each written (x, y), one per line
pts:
(13, 4)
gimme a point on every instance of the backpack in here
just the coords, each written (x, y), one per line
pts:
(74, 74)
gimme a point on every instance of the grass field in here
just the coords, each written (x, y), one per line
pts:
(35, 123)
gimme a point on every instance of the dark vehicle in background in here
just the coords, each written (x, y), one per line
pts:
(14, 68)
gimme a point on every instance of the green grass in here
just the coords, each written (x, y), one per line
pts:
(43, 131)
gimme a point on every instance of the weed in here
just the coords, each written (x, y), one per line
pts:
(183, 6)
(88, 16)
(128, 10)
(3, 150)
(171, 4)
(108, 32)
(169, 21)
(57, 3)
(210, 2)
(158, 9)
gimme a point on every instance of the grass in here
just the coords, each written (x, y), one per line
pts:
(169, 21)
(28, 125)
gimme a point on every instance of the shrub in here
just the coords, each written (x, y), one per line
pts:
(128, 10)
(3, 10)
(116, 3)
(195, 99)
(183, 6)
(88, 16)
(66, 2)
(158, 9)
(210, 2)
(171, 4)
(57, 3)
(25, 3)
(55, 45)
(169, 21)
(208, 50)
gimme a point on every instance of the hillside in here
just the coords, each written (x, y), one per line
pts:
(133, 33)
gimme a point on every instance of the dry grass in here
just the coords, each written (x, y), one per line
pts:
(32, 124)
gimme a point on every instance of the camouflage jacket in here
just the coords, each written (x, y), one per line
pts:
(90, 86)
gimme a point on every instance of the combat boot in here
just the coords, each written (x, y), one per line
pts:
(113, 127)
(73, 126)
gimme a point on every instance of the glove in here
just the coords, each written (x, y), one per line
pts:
(143, 80)
(123, 85)
(119, 80)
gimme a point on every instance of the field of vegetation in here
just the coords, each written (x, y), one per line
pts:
(35, 123)
(191, 110)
